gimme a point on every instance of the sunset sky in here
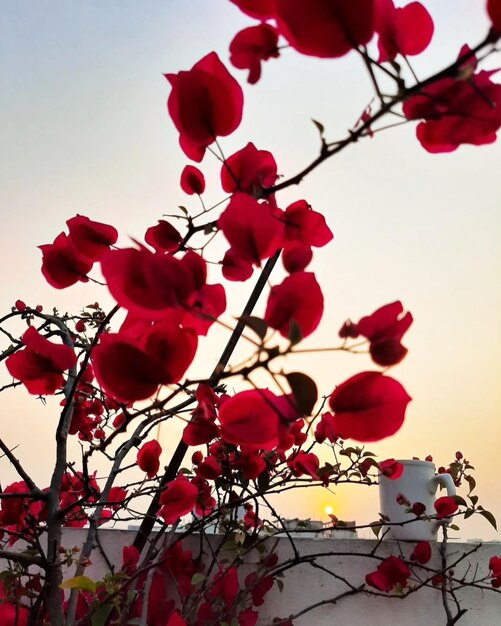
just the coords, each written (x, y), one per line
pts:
(85, 130)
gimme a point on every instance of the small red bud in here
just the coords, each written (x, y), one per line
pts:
(20, 305)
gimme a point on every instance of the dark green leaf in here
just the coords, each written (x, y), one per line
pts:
(490, 518)
(319, 126)
(453, 526)
(474, 499)
(100, 617)
(471, 482)
(304, 391)
(459, 500)
(259, 326)
(294, 334)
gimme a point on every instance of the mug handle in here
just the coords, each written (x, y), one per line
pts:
(445, 480)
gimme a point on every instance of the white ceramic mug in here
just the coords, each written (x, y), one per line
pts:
(418, 483)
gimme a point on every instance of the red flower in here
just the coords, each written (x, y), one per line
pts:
(391, 469)
(445, 506)
(305, 225)
(130, 369)
(91, 239)
(296, 256)
(297, 298)
(421, 552)
(407, 30)
(392, 571)
(175, 620)
(192, 180)
(163, 237)
(325, 429)
(325, 28)
(368, 407)
(144, 283)
(177, 499)
(62, 264)
(384, 329)
(206, 102)
(304, 463)
(234, 268)
(456, 111)
(494, 11)
(225, 586)
(20, 305)
(495, 567)
(251, 228)
(251, 46)
(148, 457)
(40, 365)
(260, 9)
(250, 419)
(249, 170)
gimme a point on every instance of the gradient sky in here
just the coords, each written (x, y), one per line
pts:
(84, 129)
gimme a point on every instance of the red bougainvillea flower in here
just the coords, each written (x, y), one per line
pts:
(296, 256)
(368, 407)
(177, 499)
(19, 305)
(62, 264)
(252, 229)
(249, 419)
(445, 506)
(494, 11)
(325, 28)
(391, 469)
(11, 614)
(456, 111)
(407, 30)
(234, 268)
(175, 620)
(384, 329)
(421, 552)
(192, 180)
(91, 239)
(495, 567)
(389, 573)
(325, 429)
(251, 46)
(130, 369)
(205, 306)
(163, 237)
(144, 283)
(206, 102)
(249, 170)
(148, 457)
(41, 364)
(260, 9)
(305, 225)
(130, 559)
(304, 463)
(297, 298)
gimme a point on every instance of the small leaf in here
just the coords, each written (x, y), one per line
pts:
(79, 582)
(453, 526)
(320, 127)
(263, 481)
(490, 518)
(468, 513)
(459, 500)
(100, 617)
(183, 209)
(280, 585)
(471, 482)
(197, 578)
(474, 499)
(294, 335)
(376, 528)
(304, 391)
(259, 326)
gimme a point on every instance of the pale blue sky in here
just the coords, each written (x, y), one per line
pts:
(84, 129)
